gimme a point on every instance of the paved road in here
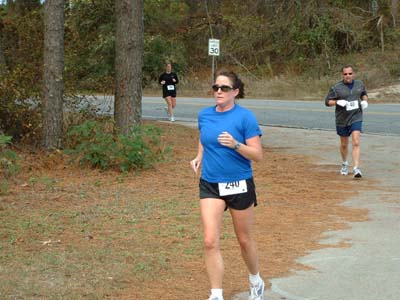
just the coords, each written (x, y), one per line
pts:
(379, 118)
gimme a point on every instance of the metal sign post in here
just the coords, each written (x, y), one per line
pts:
(213, 50)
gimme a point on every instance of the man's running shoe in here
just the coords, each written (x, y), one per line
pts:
(357, 172)
(257, 291)
(344, 170)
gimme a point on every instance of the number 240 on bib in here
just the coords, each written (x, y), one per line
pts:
(232, 188)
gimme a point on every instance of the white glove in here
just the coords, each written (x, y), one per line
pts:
(364, 104)
(341, 103)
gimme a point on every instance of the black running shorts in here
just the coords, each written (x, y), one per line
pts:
(237, 201)
(167, 93)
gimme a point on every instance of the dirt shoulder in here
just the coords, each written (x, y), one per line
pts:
(388, 94)
(138, 235)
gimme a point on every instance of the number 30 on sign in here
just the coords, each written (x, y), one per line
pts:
(213, 47)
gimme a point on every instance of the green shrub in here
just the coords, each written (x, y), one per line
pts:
(8, 158)
(94, 144)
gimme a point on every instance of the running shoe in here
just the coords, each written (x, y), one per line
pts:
(344, 170)
(214, 298)
(257, 291)
(357, 172)
(172, 119)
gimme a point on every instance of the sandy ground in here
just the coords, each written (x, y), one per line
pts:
(387, 94)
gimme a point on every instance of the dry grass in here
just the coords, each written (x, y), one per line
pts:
(285, 89)
(376, 69)
(71, 233)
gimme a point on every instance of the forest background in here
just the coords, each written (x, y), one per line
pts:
(280, 48)
(71, 229)
(287, 41)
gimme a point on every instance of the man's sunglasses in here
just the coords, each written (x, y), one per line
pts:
(224, 88)
(347, 74)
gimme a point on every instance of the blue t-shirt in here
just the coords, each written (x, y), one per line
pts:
(221, 163)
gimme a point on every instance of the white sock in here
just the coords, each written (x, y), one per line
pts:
(217, 293)
(255, 279)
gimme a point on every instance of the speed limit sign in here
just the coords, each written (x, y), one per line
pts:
(213, 47)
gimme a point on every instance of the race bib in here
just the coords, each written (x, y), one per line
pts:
(352, 105)
(232, 188)
(170, 87)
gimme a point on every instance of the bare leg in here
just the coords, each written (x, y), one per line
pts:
(212, 211)
(344, 143)
(242, 222)
(356, 148)
(173, 105)
(173, 102)
(168, 99)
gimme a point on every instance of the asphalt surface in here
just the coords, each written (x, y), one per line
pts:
(379, 118)
(370, 268)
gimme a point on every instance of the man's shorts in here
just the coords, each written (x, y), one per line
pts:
(347, 130)
(237, 201)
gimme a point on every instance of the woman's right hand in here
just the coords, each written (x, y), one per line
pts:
(195, 164)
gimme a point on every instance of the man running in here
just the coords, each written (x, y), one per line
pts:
(350, 100)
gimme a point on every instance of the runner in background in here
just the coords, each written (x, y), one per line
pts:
(350, 100)
(230, 139)
(168, 81)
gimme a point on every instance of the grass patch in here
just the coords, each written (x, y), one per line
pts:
(80, 233)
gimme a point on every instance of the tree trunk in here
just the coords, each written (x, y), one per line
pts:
(128, 64)
(2, 59)
(394, 11)
(53, 83)
(2, 56)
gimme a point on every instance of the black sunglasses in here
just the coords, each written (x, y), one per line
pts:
(347, 74)
(224, 88)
